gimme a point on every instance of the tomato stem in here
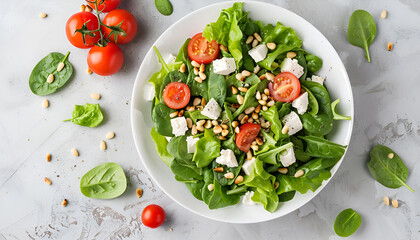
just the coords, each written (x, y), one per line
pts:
(99, 23)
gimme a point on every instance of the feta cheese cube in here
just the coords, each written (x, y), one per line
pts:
(227, 157)
(179, 126)
(224, 66)
(191, 141)
(292, 66)
(287, 157)
(318, 79)
(170, 58)
(247, 198)
(212, 109)
(168, 138)
(148, 92)
(258, 53)
(248, 166)
(292, 120)
(301, 103)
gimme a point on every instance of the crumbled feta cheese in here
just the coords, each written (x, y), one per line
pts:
(227, 157)
(179, 126)
(292, 120)
(148, 92)
(191, 141)
(248, 166)
(168, 138)
(170, 59)
(224, 66)
(301, 103)
(258, 53)
(247, 198)
(287, 157)
(318, 79)
(292, 66)
(212, 109)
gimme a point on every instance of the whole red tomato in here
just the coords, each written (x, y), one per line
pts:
(129, 25)
(153, 216)
(106, 6)
(105, 60)
(75, 22)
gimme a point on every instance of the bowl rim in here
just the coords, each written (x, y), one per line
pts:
(346, 80)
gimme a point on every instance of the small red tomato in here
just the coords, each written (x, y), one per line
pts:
(285, 87)
(106, 60)
(247, 134)
(153, 216)
(107, 5)
(176, 95)
(129, 25)
(75, 22)
(202, 51)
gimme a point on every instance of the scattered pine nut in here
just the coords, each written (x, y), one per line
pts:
(258, 96)
(42, 15)
(291, 55)
(269, 76)
(48, 157)
(276, 185)
(262, 102)
(171, 229)
(74, 152)
(200, 128)
(45, 103)
(195, 71)
(264, 108)
(225, 133)
(249, 110)
(267, 92)
(181, 113)
(389, 46)
(64, 202)
(223, 47)
(234, 90)
(173, 114)
(391, 155)
(218, 169)
(195, 64)
(237, 130)
(198, 79)
(249, 39)
(249, 155)
(201, 122)
(246, 73)
(243, 89)
(110, 135)
(208, 124)
(215, 122)
(258, 109)
(202, 75)
(262, 77)
(225, 126)
(210, 187)
(384, 13)
(240, 99)
(282, 170)
(217, 129)
(299, 173)
(264, 97)
(88, 71)
(194, 130)
(239, 179)
(203, 102)
(239, 76)
(47, 181)
(222, 138)
(271, 103)
(257, 69)
(386, 200)
(95, 96)
(82, 8)
(189, 122)
(182, 68)
(394, 203)
(235, 124)
(60, 66)
(255, 43)
(50, 78)
(88, 8)
(245, 119)
(271, 46)
(196, 101)
(285, 129)
(255, 147)
(229, 175)
(139, 192)
(191, 109)
(102, 146)
(258, 37)
(202, 67)
(259, 141)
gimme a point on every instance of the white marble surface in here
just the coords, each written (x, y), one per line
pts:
(386, 108)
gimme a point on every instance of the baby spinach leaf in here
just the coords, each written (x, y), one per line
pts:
(320, 147)
(285, 109)
(104, 181)
(300, 57)
(336, 115)
(269, 143)
(347, 222)
(207, 149)
(287, 196)
(249, 99)
(162, 120)
(48, 65)
(219, 176)
(164, 7)
(89, 115)
(390, 172)
(270, 200)
(161, 144)
(314, 63)
(185, 171)
(299, 149)
(313, 107)
(271, 155)
(272, 116)
(183, 56)
(362, 30)
(217, 198)
(177, 147)
(196, 189)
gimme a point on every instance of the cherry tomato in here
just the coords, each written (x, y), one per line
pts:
(107, 5)
(153, 216)
(106, 60)
(247, 134)
(176, 95)
(201, 51)
(285, 87)
(129, 25)
(75, 22)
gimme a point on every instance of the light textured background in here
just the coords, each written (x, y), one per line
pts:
(386, 108)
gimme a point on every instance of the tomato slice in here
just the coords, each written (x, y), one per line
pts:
(247, 134)
(285, 87)
(201, 51)
(176, 95)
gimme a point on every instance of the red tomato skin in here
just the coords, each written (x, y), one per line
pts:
(199, 56)
(107, 5)
(292, 80)
(247, 134)
(153, 216)
(176, 95)
(75, 22)
(106, 60)
(129, 25)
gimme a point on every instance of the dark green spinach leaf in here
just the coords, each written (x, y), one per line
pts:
(89, 115)
(336, 115)
(347, 222)
(162, 120)
(207, 149)
(161, 144)
(320, 147)
(314, 63)
(362, 30)
(164, 7)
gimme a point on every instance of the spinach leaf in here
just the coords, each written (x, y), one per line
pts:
(313, 107)
(177, 147)
(161, 144)
(48, 65)
(300, 57)
(105, 181)
(314, 63)
(270, 200)
(89, 115)
(299, 149)
(269, 143)
(287, 196)
(272, 116)
(320, 147)
(271, 155)
(219, 176)
(207, 149)
(362, 30)
(249, 99)
(387, 167)
(285, 109)
(164, 7)
(196, 115)
(183, 56)
(217, 198)
(347, 222)
(336, 115)
(162, 120)
(185, 171)
(196, 189)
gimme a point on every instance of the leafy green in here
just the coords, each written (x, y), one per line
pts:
(272, 116)
(299, 149)
(161, 144)
(104, 181)
(162, 120)
(185, 171)
(287, 196)
(219, 176)
(336, 115)
(271, 155)
(269, 143)
(217, 198)
(183, 56)
(313, 107)
(390, 172)
(164, 7)
(270, 200)
(300, 57)
(249, 99)
(347, 222)
(89, 115)
(362, 30)
(314, 63)
(320, 147)
(196, 189)
(48, 65)
(177, 147)
(207, 149)
(285, 109)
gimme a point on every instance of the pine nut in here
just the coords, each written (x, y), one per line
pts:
(194, 130)
(218, 169)
(237, 130)
(74, 152)
(249, 39)
(299, 173)
(197, 101)
(88, 71)
(255, 43)
(229, 175)
(264, 97)
(249, 155)
(47, 181)
(243, 89)
(222, 138)
(258, 109)
(88, 9)
(50, 78)
(254, 147)
(262, 102)
(246, 73)
(285, 129)
(271, 46)
(110, 135)
(45, 103)
(217, 129)
(200, 108)
(202, 67)
(235, 124)
(383, 14)
(291, 55)
(48, 157)
(223, 47)
(173, 114)
(200, 128)
(225, 133)
(389, 46)
(189, 122)
(240, 99)
(201, 122)
(258, 96)
(239, 179)
(215, 122)
(391, 155)
(191, 109)
(258, 37)
(259, 141)
(239, 76)
(262, 77)
(249, 110)
(42, 15)
(198, 79)
(195, 64)
(60, 66)
(257, 69)
(241, 116)
(276, 185)
(95, 96)
(64, 202)
(245, 119)
(271, 103)
(182, 68)
(234, 90)
(181, 113)
(210, 187)
(102, 146)
(202, 75)
(225, 126)
(282, 170)
(254, 115)
(386, 200)
(394, 203)
(82, 8)
(195, 71)
(139, 192)
(267, 92)
(269, 76)
(203, 102)
(235, 105)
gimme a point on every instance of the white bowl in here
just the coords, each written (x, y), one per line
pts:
(171, 41)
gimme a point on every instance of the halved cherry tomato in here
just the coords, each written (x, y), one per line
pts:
(247, 134)
(106, 6)
(201, 51)
(106, 60)
(129, 25)
(75, 22)
(285, 87)
(176, 95)
(153, 216)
